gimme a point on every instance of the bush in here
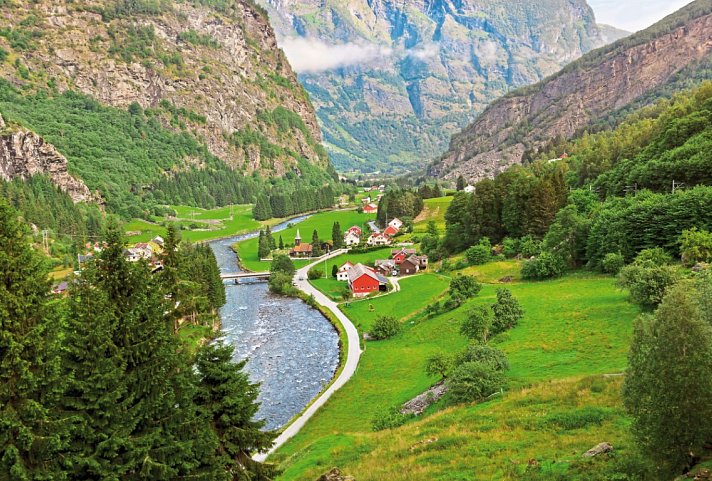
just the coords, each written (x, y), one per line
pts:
(647, 282)
(546, 266)
(475, 381)
(528, 247)
(477, 326)
(507, 311)
(282, 263)
(464, 287)
(315, 273)
(655, 257)
(385, 327)
(438, 364)
(280, 283)
(389, 419)
(478, 255)
(613, 263)
(485, 355)
(695, 246)
(510, 247)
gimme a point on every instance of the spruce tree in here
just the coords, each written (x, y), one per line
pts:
(30, 381)
(460, 185)
(668, 385)
(270, 239)
(337, 236)
(229, 400)
(281, 243)
(263, 247)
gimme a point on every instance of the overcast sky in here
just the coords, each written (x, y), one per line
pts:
(634, 15)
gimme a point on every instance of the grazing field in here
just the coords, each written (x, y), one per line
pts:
(322, 222)
(199, 225)
(574, 327)
(434, 210)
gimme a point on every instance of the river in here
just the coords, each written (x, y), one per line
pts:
(292, 349)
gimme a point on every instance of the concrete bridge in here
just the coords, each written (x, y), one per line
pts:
(244, 275)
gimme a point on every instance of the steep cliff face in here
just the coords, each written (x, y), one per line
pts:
(24, 154)
(426, 68)
(214, 71)
(588, 90)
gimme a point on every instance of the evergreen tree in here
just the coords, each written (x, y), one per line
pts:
(668, 385)
(262, 209)
(30, 436)
(316, 244)
(270, 239)
(281, 243)
(337, 236)
(460, 184)
(263, 246)
(229, 401)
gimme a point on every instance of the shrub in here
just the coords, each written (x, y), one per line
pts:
(483, 354)
(478, 255)
(315, 273)
(385, 327)
(475, 381)
(477, 325)
(655, 256)
(695, 246)
(389, 419)
(528, 247)
(648, 282)
(464, 287)
(507, 311)
(510, 247)
(613, 263)
(546, 266)
(280, 283)
(439, 364)
(282, 263)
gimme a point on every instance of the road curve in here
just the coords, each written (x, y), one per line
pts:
(352, 356)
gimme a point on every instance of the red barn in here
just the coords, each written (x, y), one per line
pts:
(363, 281)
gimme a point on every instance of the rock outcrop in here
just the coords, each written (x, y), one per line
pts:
(593, 87)
(335, 475)
(602, 448)
(415, 72)
(213, 66)
(24, 154)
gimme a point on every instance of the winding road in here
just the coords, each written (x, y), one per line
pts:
(352, 356)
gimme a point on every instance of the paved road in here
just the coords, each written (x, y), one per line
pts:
(352, 357)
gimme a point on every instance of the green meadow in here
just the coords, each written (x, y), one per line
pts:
(322, 222)
(574, 328)
(433, 210)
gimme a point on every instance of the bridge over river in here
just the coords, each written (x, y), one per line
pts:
(244, 275)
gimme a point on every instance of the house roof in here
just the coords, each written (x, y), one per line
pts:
(385, 262)
(390, 230)
(346, 265)
(303, 248)
(408, 252)
(360, 270)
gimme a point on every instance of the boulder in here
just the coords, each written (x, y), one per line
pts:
(700, 267)
(602, 448)
(335, 475)
(506, 280)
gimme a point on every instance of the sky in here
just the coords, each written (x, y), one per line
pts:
(634, 15)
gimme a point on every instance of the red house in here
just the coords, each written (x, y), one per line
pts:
(399, 256)
(363, 281)
(370, 209)
(390, 231)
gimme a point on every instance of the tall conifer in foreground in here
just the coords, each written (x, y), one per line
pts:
(29, 363)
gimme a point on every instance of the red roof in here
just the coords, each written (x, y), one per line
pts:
(390, 231)
(303, 248)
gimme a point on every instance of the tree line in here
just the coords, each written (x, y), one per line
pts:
(97, 386)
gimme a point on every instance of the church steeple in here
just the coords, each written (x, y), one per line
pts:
(298, 239)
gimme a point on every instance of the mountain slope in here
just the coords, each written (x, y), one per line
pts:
(586, 91)
(425, 68)
(209, 72)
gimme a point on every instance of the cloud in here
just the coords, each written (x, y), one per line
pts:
(312, 55)
(634, 15)
(424, 52)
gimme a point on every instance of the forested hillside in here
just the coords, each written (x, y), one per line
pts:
(595, 91)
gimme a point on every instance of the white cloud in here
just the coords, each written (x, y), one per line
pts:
(634, 15)
(424, 52)
(313, 55)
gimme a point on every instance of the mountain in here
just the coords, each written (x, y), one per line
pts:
(140, 92)
(392, 80)
(669, 56)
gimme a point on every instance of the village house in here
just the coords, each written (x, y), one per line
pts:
(343, 273)
(61, 288)
(370, 209)
(299, 249)
(400, 255)
(378, 239)
(409, 266)
(364, 281)
(396, 223)
(390, 231)
(158, 240)
(351, 238)
(386, 267)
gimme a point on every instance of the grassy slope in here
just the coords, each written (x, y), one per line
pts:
(576, 326)
(434, 210)
(322, 222)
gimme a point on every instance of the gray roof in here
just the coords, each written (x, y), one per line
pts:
(359, 270)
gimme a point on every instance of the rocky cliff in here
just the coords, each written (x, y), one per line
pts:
(24, 154)
(401, 77)
(586, 91)
(212, 69)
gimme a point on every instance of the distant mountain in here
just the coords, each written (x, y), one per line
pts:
(674, 54)
(392, 80)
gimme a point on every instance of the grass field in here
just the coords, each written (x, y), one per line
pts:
(573, 327)
(434, 210)
(213, 224)
(322, 222)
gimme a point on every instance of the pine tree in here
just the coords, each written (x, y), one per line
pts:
(316, 244)
(668, 385)
(270, 239)
(30, 435)
(460, 185)
(337, 236)
(263, 246)
(229, 401)
(281, 243)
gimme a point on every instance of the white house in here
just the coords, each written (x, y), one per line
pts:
(351, 239)
(378, 239)
(396, 223)
(470, 189)
(343, 272)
